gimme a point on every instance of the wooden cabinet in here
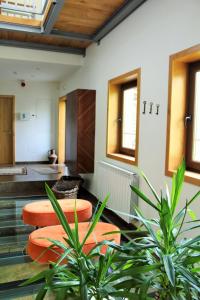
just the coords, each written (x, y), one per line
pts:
(80, 130)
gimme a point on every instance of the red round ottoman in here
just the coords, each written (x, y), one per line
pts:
(42, 214)
(38, 244)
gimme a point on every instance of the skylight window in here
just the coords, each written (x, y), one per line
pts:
(24, 9)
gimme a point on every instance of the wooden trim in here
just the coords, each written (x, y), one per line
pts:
(189, 55)
(113, 108)
(168, 131)
(127, 77)
(20, 21)
(190, 177)
(138, 115)
(177, 106)
(122, 157)
(61, 129)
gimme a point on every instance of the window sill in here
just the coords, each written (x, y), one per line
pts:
(122, 157)
(190, 177)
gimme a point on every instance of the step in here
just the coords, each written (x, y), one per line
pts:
(20, 239)
(23, 188)
(14, 227)
(10, 214)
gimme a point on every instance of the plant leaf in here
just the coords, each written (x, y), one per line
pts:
(177, 184)
(142, 196)
(192, 214)
(58, 210)
(151, 187)
(169, 269)
(95, 220)
(41, 294)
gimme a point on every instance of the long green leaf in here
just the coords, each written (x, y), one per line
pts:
(151, 187)
(41, 294)
(189, 278)
(76, 228)
(194, 198)
(58, 210)
(190, 242)
(169, 269)
(148, 227)
(95, 221)
(192, 260)
(144, 197)
(36, 278)
(177, 184)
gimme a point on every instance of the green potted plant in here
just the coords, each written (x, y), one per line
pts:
(161, 265)
(164, 262)
(84, 276)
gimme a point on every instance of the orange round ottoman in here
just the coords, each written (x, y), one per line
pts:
(38, 244)
(42, 213)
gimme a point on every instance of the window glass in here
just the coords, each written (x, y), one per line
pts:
(196, 116)
(129, 118)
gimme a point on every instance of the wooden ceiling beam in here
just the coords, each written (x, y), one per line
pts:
(52, 15)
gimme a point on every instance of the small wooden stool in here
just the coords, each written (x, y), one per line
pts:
(42, 213)
(38, 244)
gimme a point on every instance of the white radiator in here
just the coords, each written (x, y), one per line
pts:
(116, 182)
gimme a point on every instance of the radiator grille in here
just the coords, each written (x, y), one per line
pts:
(116, 182)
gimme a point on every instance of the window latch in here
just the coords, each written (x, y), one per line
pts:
(187, 120)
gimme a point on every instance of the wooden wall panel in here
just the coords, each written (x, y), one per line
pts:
(80, 130)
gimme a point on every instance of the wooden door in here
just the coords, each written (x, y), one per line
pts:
(7, 144)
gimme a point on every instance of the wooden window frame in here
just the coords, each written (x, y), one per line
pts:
(177, 98)
(113, 113)
(192, 165)
(124, 87)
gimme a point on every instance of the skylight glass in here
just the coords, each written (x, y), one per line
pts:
(28, 9)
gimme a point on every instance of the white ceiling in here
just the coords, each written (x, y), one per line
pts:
(34, 71)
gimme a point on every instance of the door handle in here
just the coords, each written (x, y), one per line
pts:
(187, 120)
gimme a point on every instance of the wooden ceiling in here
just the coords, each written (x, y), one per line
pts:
(84, 18)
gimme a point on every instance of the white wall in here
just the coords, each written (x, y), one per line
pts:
(145, 39)
(36, 136)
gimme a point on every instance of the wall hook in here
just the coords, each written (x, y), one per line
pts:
(151, 108)
(144, 107)
(157, 109)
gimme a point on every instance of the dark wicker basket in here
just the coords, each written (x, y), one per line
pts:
(67, 187)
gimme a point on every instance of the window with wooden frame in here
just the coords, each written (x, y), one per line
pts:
(183, 127)
(192, 119)
(123, 117)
